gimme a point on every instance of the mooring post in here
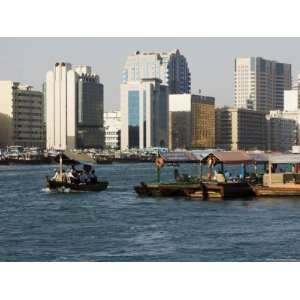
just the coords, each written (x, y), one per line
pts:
(158, 174)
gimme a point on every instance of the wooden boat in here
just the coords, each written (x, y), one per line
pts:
(277, 190)
(167, 189)
(211, 190)
(95, 187)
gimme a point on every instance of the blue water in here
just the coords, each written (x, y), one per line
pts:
(117, 225)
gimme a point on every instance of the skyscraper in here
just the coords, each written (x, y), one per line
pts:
(144, 111)
(259, 83)
(74, 108)
(171, 67)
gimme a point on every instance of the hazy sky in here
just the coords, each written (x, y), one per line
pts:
(211, 60)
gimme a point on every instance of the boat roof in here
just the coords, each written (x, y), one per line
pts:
(228, 157)
(258, 156)
(281, 158)
(177, 157)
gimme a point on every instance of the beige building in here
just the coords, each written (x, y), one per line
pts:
(240, 129)
(21, 115)
(191, 121)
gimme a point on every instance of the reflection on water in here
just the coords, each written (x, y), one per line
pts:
(116, 225)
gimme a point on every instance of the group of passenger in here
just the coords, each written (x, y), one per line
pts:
(85, 176)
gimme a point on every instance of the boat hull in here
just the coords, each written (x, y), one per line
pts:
(277, 191)
(96, 187)
(166, 190)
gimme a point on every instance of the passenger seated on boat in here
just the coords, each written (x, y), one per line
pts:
(55, 176)
(220, 177)
(83, 177)
(93, 177)
(177, 175)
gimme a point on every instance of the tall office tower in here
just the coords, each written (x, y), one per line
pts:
(240, 129)
(171, 67)
(21, 115)
(89, 92)
(74, 108)
(259, 83)
(191, 121)
(112, 126)
(144, 111)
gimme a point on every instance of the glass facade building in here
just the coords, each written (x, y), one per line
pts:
(90, 132)
(144, 105)
(170, 67)
(133, 119)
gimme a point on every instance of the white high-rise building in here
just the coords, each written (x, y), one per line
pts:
(144, 111)
(112, 126)
(260, 83)
(74, 100)
(171, 67)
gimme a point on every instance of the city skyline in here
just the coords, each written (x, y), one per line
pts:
(27, 60)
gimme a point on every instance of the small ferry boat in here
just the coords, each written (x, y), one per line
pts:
(182, 186)
(62, 182)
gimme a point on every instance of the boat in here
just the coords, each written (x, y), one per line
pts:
(167, 189)
(61, 183)
(94, 187)
(277, 183)
(183, 185)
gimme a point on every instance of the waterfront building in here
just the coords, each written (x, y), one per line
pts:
(21, 115)
(74, 108)
(259, 84)
(290, 115)
(144, 114)
(191, 121)
(112, 126)
(282, 132)
(291, 100)
(240, 129)
(171, 67)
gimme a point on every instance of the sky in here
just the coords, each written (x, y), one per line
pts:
(211, 60)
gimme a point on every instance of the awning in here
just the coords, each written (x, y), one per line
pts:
(228, 157)
(179, 157)
(284, 158)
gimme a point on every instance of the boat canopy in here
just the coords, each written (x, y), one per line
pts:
(179, 157)
(227, 157)
(279, 158)
(258, 156)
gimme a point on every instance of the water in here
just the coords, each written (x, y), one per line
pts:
(117, 225)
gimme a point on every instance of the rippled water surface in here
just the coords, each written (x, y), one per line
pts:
(117, 225)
